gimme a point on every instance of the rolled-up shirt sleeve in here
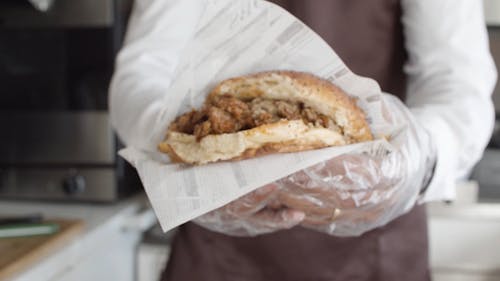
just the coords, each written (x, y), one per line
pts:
(157, 34)
(451, 79)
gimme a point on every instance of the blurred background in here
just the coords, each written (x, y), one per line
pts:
(71, 209)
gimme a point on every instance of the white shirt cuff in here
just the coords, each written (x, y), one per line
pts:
(442, 184)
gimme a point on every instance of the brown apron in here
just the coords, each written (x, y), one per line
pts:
(368, 36)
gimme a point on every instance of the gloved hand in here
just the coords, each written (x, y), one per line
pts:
(251, 215)
(345, 196)
(355, 193)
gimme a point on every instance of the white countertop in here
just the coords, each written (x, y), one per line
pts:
(94, 215)
(464, 236)
(478, 211)
(467, 206)
(459, 218)
(98, 218)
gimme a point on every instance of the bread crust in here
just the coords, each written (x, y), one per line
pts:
(283, 136)
(311, 86)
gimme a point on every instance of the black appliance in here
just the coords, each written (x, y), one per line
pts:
(487, 171)
(55, 67)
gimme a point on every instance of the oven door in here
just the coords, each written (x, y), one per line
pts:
(56, 139)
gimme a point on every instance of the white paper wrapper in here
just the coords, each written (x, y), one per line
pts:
(237, 37)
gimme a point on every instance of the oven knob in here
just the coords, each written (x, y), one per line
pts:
(74, 184)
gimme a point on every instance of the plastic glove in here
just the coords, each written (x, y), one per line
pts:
(251, 216)
(357, 192)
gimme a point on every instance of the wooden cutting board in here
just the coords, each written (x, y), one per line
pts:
(19, 254)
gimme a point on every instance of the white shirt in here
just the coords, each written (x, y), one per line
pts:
(450, 69)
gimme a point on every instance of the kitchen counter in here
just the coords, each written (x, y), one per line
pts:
(467, 206)
(480, 211)
(118, 225)
(465, 241)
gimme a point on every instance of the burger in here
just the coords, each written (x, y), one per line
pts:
(266, 113)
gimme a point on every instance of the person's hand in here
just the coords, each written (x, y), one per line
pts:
(251, 215)
(348, 192)
(354, 193)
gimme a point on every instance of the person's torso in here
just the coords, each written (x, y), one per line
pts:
(367, 35)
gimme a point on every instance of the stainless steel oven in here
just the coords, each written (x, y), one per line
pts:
(55, 66)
